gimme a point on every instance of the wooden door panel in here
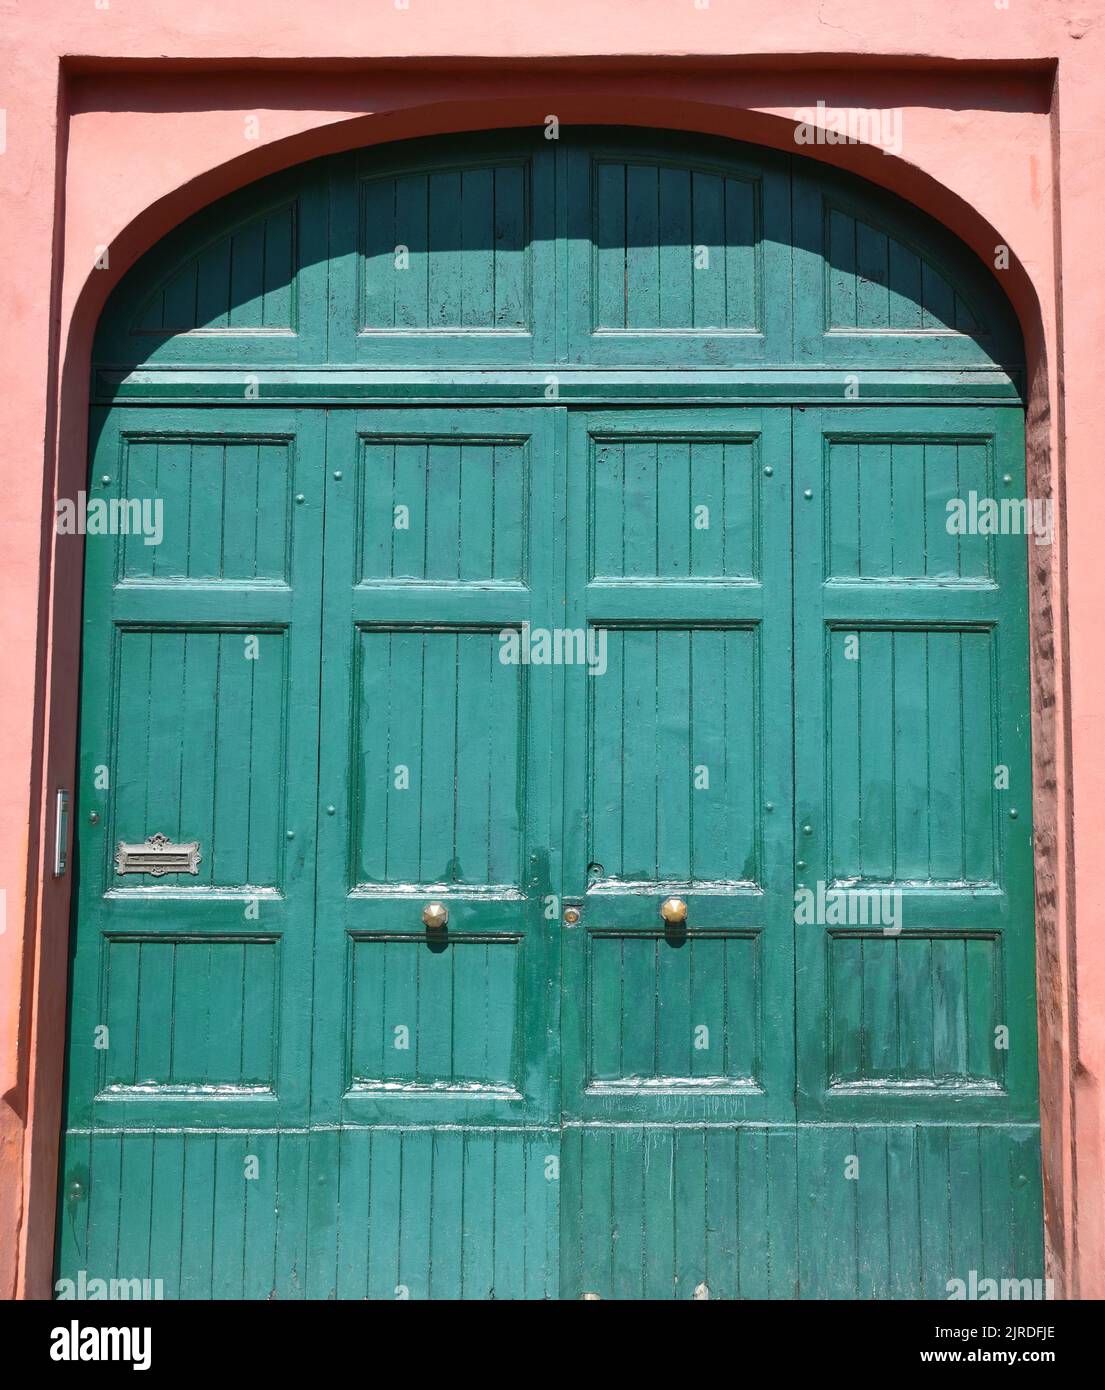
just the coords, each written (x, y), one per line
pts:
(879, 285)
(438, 714)
(912, 777)
(675, 698)
(243, 282)
(679, 1014)
(211, 734)
(448, 491)
(641, 486)
(674, 255)
(444, 261)
(190, 999)
(465, 1001)
(435, 769)
(700, 1211)
(171, 1207)
(909, 752)
(679, 565)
(927, 1204)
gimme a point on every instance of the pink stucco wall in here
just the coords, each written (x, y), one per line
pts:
(123, 117)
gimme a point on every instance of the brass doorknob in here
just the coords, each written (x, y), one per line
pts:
(435, 915)
(673, 910)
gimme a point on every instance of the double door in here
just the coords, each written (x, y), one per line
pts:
(612, 856)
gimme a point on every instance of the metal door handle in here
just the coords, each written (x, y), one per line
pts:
(673, 910)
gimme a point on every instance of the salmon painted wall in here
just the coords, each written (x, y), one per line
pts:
(121, 117)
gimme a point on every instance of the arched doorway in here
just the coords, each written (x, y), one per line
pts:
(554, 797)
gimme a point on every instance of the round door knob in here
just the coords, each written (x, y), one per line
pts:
(673, 910)
(435, 915)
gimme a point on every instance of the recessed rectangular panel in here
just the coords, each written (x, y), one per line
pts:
(912, 755)
(441, 510)
(875, 282)
(915, 1010)
(674, 1012)
(436, 1015)
(242, 282)
(184, 1014)
(674, 766)
(671, 508)
(675, 248)
(888, 511)
(438, 728)
(199, 752)
(203, 508)
(446, 249)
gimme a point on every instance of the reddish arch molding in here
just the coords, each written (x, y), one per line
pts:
(439, 103)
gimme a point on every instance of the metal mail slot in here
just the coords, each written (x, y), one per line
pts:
(158, 855)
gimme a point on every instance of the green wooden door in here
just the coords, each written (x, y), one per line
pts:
(916, 1069)
(190, 1029)
(432, 1046)
(679, 1037)
(554, 534)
